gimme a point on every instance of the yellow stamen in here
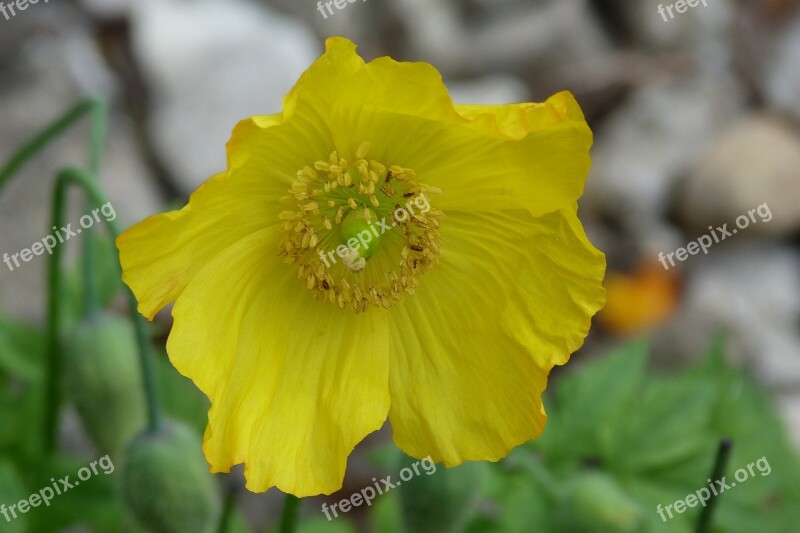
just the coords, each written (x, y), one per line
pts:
(334, 231)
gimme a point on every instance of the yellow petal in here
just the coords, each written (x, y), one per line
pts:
(294, 384)
(518, 120)
(340, 86)
(160, 255)
(484, 158)
(531, 155)
(467, 374)
(481, 171)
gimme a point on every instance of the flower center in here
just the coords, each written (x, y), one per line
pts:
(361, 234)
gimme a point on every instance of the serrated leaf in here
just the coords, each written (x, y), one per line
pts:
(590, 406)
(657, 436)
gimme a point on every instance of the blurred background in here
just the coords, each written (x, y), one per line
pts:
(696, 121)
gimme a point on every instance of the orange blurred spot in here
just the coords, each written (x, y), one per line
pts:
(641, 300)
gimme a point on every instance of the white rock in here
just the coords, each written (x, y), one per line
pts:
(703, 29)
(781, 78)
(790, 409)
(755, 161)
(491, 90)
(640, 153)
(510, 34)
(108, 8)
(751, 290)
(212, 64)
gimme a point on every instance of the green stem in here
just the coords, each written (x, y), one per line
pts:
(86, 181)
(290, 514)
(91, 305)
(98, 111)
(227, 508)
(99, 120)
(99, 128)
(720, 465)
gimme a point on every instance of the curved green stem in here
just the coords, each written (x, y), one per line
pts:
(99, 121)
(98, 110)
(99, 128)
(290, 514)
(86, 181)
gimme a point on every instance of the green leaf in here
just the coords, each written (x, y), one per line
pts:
(591, 406)
(438, 499)
(521, 502)
(670, 425)
(656, 436)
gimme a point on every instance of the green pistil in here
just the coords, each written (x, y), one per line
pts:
(359, 232)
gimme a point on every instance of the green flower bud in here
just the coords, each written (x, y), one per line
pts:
(166, 484)
(593, 502)
(105, 382)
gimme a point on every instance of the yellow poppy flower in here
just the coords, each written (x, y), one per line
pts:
(464, 274)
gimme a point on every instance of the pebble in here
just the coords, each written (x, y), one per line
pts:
(755, 160)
